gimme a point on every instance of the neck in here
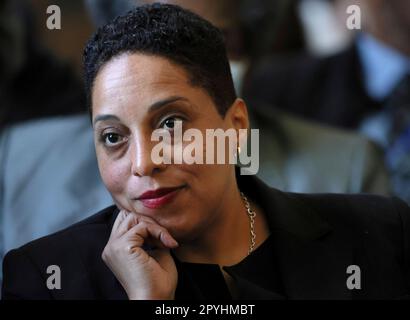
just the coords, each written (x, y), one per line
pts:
(227, 240)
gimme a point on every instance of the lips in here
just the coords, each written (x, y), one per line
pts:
(157, 198)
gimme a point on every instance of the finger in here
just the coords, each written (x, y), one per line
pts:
(152, 234)
(126, 224)
(131, 219)
(118, 220)
(145, 218)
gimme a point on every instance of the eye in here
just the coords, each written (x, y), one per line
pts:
(169, 123)
(112, 139)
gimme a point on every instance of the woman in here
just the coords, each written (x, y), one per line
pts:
(198, 231)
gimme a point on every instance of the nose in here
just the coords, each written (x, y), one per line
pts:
(142, 162)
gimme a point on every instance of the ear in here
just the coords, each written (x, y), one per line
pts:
(238, 119)
(237, 115)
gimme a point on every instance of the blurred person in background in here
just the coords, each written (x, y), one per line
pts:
(33, 83)
(48, 170)
(364, 87)
(344, 88)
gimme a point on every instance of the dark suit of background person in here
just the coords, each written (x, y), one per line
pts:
(330, 90)
(315, 239)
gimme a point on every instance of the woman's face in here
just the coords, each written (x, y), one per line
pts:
(135, 94)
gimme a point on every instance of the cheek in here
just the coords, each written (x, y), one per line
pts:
(114, 175)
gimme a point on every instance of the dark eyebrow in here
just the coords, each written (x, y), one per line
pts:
(155, 106)
(105, 117)
(162, 103)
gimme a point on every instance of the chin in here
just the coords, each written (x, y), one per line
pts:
(182, 232)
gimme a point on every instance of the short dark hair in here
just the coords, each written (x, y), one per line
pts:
(171, 32)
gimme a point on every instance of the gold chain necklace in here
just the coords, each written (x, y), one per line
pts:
(251, 215)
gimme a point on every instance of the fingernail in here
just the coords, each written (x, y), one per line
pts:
(173, 242)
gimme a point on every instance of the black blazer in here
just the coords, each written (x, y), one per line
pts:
(316, 238)
(328, 90)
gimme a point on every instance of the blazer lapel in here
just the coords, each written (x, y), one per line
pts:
(310, 264)
(310, 268)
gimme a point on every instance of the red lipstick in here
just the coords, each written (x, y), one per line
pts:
(154, 199)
